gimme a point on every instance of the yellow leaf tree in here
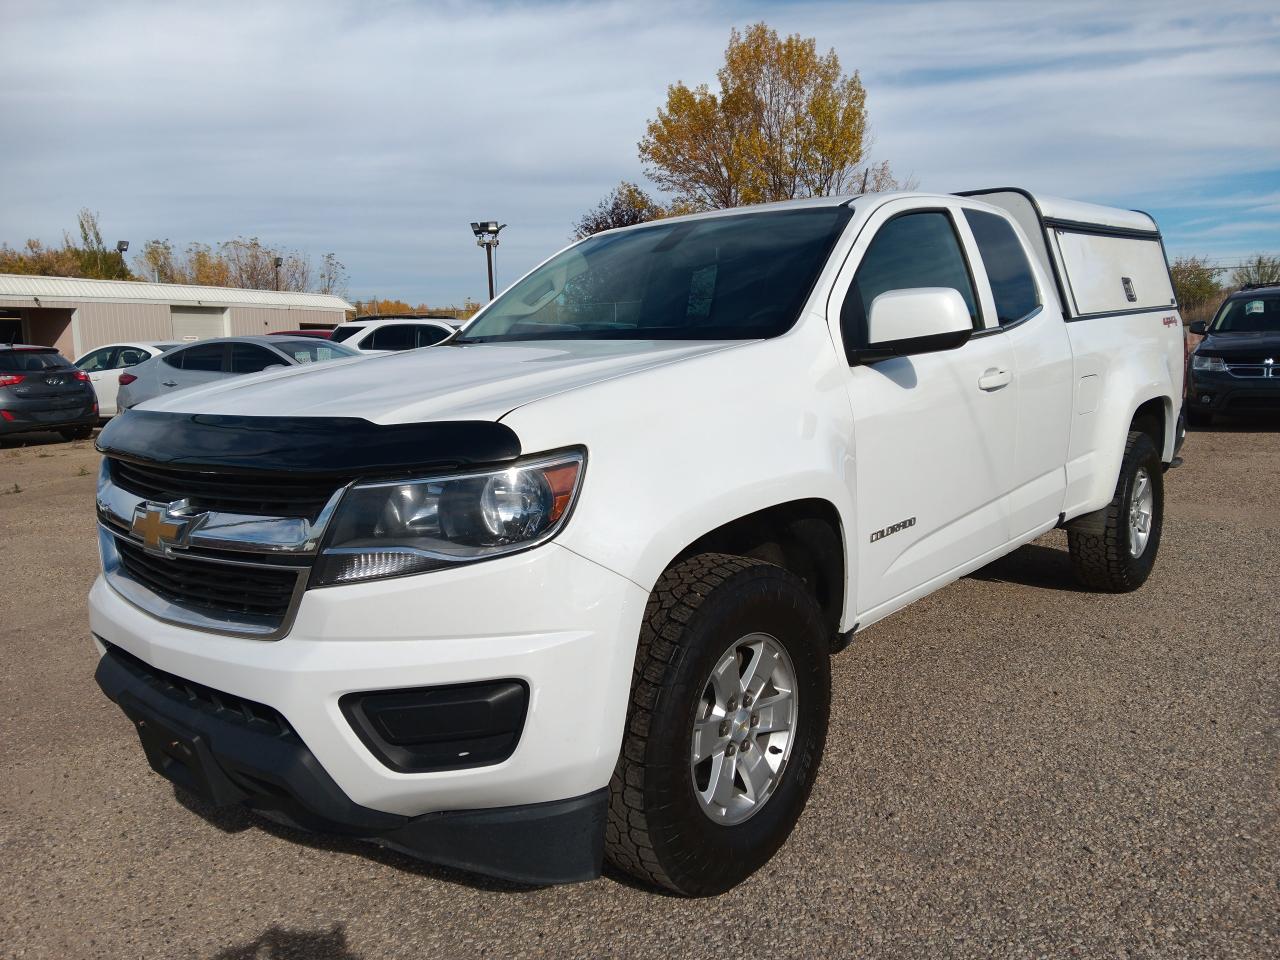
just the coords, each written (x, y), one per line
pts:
(785, 123)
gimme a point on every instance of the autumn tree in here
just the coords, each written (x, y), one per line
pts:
(1259, 268)
(90, 258)
(626, 205)
(785, 123)
(1195, 285)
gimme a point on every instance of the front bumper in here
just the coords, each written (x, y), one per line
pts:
(227, 751)
(1212, 392)
(562, 625)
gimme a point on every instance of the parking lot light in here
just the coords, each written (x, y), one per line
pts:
(486, 232)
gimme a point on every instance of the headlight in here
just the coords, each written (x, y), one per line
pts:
(1208, 363)
(399, 527)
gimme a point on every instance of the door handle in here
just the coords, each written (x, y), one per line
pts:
(994, 378)
(168, 383)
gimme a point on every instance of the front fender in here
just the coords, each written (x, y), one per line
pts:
(675, 452)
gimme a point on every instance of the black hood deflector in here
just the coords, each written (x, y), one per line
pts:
(319, 446)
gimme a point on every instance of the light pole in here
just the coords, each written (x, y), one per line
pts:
(486, 232)
(279, 262)
(122, 247)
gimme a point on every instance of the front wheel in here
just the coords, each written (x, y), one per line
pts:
(728, 717)
(1119, 558)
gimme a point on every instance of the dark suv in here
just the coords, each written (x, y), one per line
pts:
(42, 390)
(1236, 369)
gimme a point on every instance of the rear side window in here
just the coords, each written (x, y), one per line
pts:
(913, 250)
(399, 336)
(1013, 285)
(206, 358)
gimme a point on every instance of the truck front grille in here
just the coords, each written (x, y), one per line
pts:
(274, 496)
(1259, 367)
(216, 588)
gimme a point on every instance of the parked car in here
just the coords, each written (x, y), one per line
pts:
(321, 334)
(406, 332)
(568, 586)
(1236, 368)
(41, 390)
(210, 360)
(103, 365)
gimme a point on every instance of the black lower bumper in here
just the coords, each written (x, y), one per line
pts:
(1227, 394)
(226, 750)
(23, 422)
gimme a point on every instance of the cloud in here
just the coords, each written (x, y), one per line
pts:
(380, 132)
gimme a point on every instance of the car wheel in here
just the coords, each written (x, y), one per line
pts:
(78, 433)
(728, 716)
(1120, 557)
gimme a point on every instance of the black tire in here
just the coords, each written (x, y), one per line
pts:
(77, 433)
(1199, 418)
(1105, 561)
(657, 830)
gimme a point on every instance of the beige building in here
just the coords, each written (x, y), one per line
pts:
(77, 315)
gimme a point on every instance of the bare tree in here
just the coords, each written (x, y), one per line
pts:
(1259, 268)
(332, 278)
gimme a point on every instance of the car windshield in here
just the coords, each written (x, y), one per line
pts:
(739, 277)
(345, 332)
(1249, 315)
(313, 350)
(31, 361)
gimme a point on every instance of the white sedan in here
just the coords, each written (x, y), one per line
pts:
(103, 365)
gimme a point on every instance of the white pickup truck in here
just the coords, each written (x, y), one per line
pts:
(567, 586)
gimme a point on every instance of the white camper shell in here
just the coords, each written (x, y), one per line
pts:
(1105, 261)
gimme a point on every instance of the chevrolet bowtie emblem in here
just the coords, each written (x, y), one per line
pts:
(157, 533)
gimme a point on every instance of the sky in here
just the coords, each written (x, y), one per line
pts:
(380, 131)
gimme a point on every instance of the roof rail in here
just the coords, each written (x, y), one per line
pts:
(1260, 286)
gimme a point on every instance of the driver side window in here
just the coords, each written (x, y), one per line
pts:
(913, 250)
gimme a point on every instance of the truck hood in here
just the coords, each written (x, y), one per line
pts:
(1241, 345)
(482, 381)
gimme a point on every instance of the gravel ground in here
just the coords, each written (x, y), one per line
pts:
(1015, 768)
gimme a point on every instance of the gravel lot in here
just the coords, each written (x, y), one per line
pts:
(1014, 768)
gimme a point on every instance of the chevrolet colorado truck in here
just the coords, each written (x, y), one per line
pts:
(567, 586)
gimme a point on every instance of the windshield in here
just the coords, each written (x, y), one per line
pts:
(1249, 315)
(740, 277)
(313, 350)
(31, 361)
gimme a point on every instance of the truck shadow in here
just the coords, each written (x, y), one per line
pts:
(1034, 565)
(239, 819)
(278, 944)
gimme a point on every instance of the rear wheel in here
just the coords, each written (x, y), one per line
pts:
(725, 730)
(1119, 558)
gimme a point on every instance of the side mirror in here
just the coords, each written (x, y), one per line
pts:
(919, 320)
(1199, 328)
